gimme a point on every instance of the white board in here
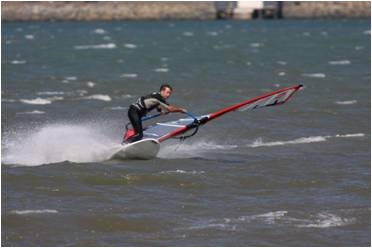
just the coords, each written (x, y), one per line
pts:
(143, 149)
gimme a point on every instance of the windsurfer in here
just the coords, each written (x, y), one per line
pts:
(145, 104)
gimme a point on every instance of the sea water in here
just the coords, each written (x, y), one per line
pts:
(291, 175)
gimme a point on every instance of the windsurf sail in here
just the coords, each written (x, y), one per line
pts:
(163, 131)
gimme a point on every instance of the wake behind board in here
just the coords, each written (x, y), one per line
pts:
(142, 149)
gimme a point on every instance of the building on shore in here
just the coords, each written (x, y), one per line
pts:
(196, 10)
(247, 10)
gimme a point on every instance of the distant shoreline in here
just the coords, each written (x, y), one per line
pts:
(127, 11)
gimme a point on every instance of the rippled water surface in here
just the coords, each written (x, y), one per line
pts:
(292, 175)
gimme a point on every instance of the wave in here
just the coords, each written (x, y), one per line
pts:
(68, 80)
(41, 101)
(349, 135)
(99, 31)
(182, 172)
(37, 112)
(91, 84)
(29, 36)
(282, 217)
(18, 62)
(105, 98)
(346, 102)
(303, 140)
(324, 220)
(314, 75)
(260, 143)
(281, 62)
(99, 46)
(268, 218)
(256, 45)
(130, 46)
(129, 75)
(71, 78)
(51, 93)
(340, 62)
(37, 211)
(161, 70)
(118, 108)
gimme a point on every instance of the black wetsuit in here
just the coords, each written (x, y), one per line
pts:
(140, 108)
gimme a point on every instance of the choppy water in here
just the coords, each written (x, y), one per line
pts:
(294, 175)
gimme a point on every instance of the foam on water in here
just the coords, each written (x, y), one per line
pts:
(182, 172)
(314, 75)
(349, 135)
(36, 101)
(100, 97)
(346, 102)
(54, 143)
(282, 217)
(37, 211)
(118, 108)
(304, 140)
(130, 46)
(18, 62)
(29, 36)
(340, 62)
(161, 70)
(34, 112)
(256, 44)
(91, 84)
(260, 143)
(99, 46)
(99, 31)
(269, 218)
(51, 93)
(41, 101)
(281, 62)
(325, 220)
(71, 78)
(129, 75)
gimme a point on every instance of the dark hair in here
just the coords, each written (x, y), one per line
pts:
(163, 86)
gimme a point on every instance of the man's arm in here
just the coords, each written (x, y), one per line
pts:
(165, 109)
(172, 108)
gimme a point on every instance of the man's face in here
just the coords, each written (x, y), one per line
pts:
(166, 92)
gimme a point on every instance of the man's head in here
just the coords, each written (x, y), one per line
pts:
(165, 90)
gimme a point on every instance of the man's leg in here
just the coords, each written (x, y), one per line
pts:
(135, 120)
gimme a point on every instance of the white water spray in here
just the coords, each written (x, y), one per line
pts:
(56, 143)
